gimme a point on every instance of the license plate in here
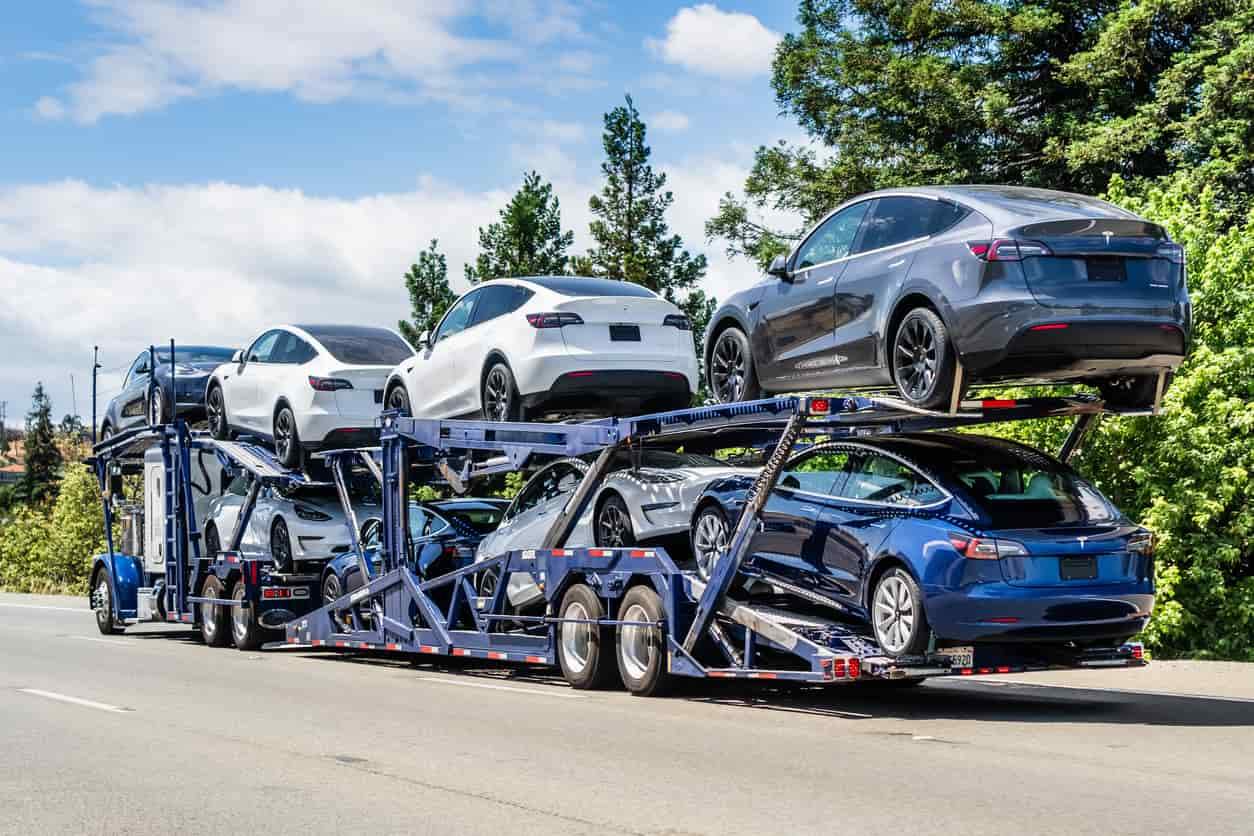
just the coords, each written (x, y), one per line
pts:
(1077, 568)
(1106, 269)
(959, 657)
(625, 333)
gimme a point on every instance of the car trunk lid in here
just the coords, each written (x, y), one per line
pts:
(614, 325)
(365, 399)
(1073, 556)
(1121, 266)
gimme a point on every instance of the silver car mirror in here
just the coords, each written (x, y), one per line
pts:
(779, 267)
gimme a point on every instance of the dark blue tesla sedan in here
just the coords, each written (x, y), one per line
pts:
(443, 537)
(943, 537)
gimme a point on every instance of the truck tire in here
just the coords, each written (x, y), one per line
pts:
(102, 589)
(215, 621)
(642, 650)
(584, 650)
(245, 631)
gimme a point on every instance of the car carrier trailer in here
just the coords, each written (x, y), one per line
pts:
(631, 613)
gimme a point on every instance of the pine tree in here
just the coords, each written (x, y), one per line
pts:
(429, 293)
(43, 459)
(633, 241)
(527, 240)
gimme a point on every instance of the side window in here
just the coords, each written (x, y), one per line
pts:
(895, 220)
(555, 481)
(820, 472)
(944, 215)
(292, 349)
(878, 478)
(493, 302)
(238, 485)
(458, 317)
(832, 240)
(137, 369)
(263, 348)
(434, 525)
(419, 519)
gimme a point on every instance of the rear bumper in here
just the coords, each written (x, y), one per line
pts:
(1004, 613)
(613, 391)
(1083, 349)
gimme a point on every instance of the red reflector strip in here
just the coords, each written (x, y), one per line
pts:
(600, 553)
(763, 676)
(187, 619)
(995, 404)
(640, 553)
(319, 643)
(341, 644)
(536, 659)
(986, 670)
(364, 645)
(562, 553)
(722, 674)
(292, 640)
(494, 654)
(1003, 669)
(966, 671)
(460, 651)
(1051, 326)
(392, 647)
(426, 648)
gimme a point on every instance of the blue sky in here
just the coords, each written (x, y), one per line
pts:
(200, 170)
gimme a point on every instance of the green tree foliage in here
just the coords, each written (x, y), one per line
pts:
(49, 547)
(1061, 94)
(429, 293)
(528, 239)
(42, 456)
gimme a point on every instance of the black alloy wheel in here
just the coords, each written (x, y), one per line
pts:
(398, 400)
(156, 406)
(923, 360)
(613, 525)
(281, 546)
(215, 412)
(500, 396)
(286, 438)
(731, 368)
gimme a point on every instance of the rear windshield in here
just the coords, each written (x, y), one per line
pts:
(582, 286)
(1094, 226)
(360, 346)
(1018, 488)
(481, 519)
(665, 459)
(196, 354)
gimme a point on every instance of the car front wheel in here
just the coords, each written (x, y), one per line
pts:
(710, 536)
(731, 375)
(281, 546)
(897, 615)
(398, 400)
(156, 407)
(613, 525)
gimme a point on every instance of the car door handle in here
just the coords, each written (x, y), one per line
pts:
(828, 280)
(809, 509)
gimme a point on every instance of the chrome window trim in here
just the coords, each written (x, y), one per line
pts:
(946, 496)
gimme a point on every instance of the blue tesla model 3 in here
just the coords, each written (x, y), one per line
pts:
(943, 537)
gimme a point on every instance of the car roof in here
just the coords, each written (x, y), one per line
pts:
(573, 285)
(937, 446)
(468, 504)
(1014, 205)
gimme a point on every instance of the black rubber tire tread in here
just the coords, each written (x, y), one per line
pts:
(222, 431)
(215, 629)
(515, 411)
(105, 622)
(657, 680)
(601, 671)
(613, 499)
(284, 565)
(254, 635)
(752, 390)
(943, 386)
(401, 395)
(292, 459)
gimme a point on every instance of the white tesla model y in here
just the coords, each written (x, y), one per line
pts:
(549, 347)
(305, 387)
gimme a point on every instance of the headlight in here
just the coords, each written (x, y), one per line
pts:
(311, 514)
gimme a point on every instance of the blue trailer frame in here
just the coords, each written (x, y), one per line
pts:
(707, 634)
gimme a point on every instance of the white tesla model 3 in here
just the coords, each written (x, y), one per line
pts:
(306, 387)
(550, 346)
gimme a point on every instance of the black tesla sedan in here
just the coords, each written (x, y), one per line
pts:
(906, 288)
(149, 395)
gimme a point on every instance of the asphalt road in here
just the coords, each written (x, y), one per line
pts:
(152, 732)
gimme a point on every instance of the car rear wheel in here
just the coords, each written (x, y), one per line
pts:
(156, 406)
(710, 536)
(215, 412)
(923, 360)
(584, 650)
(499, 396)
(641, 648)
(613, 525)
(398, 400)
(281, 546)
(897, 615)
(731, 375)
(286, 438)
(1132, 392)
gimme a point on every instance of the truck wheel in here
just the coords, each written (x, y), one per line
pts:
(897, 615)
(215, 621)
(642, 650)
(583, 650)
(245, 631)
(102, 589)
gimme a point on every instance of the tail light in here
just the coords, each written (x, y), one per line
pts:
(678, 321)
(328, 384)
(1007, 249)
(1171, 251)
(554, 320)
(1142, 543)
(985, 548)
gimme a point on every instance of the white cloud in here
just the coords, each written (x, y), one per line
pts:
(49, 108)
(669, 121)
(707, 40)
(316, 50)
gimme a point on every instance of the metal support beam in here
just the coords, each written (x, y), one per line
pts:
(726, 567)
(561, 527)
(1074, 442)
(346, 502)
(245, 513)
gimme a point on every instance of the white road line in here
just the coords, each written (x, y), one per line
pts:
(38, 607)
(1130, 692)
(114, 642)
(562, 695)
(99, 706)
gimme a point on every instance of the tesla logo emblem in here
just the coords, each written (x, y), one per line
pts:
(1082, 540)
(1107, 234)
